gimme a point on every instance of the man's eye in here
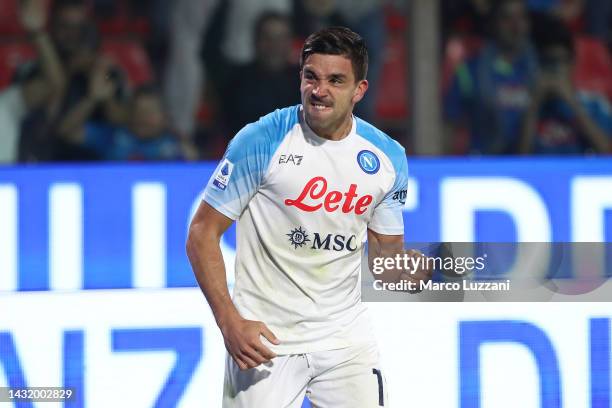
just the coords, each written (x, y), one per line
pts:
(336, 81)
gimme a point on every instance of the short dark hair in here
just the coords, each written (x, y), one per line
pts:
(338, 41)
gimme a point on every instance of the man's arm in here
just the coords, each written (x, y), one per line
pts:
(33, 16)
(242, 337)
(389, 246)
(72, 126)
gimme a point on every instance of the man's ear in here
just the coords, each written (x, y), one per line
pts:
(360, 91)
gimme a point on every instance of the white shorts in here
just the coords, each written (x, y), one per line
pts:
(348, 377)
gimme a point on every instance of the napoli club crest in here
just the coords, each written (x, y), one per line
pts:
(368, 161)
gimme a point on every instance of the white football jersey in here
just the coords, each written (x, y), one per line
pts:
(303, 205)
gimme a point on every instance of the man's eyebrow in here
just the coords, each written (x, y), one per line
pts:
(337, 76)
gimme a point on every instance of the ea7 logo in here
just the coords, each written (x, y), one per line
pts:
(400, 195)
(290, 158)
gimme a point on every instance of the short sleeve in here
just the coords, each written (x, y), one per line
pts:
(239, 174)
(388, 215)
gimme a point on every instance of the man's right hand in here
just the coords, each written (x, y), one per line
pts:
(242, 341)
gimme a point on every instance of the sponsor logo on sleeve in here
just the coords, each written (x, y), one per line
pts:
(400, 196)
(223, 175)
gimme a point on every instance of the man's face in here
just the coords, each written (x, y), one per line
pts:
(148, 119)
(274, 45)
(68, 26)
(512, 25)
(329, 91)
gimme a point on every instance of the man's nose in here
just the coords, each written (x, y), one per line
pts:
(319, 90)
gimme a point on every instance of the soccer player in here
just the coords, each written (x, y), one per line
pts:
(308, 184)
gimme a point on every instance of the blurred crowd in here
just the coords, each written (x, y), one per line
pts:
(175, 80)
(528, 77)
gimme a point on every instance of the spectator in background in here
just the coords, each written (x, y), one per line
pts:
(561, 119)
(270, 81)
(367, 18)
(146, 19)
(183, 83)
(144, 138)
(75, 42)
(237, 43)
(489, 93)
(35, 95)
(78, 44)
(310, 16)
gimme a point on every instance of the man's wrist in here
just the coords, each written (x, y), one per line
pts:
(225, 318)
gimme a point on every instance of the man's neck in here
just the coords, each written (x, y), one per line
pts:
(334, 133)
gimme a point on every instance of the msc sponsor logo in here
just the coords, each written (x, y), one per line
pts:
(290, 158)
(368, 161)
(298, 237)
(334, 242)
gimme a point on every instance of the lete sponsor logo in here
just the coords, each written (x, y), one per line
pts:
(315, 196)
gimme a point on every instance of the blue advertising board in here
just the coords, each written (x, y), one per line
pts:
(123, 226)
(96, 292)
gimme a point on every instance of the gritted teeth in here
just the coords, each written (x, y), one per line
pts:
(319, 106)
